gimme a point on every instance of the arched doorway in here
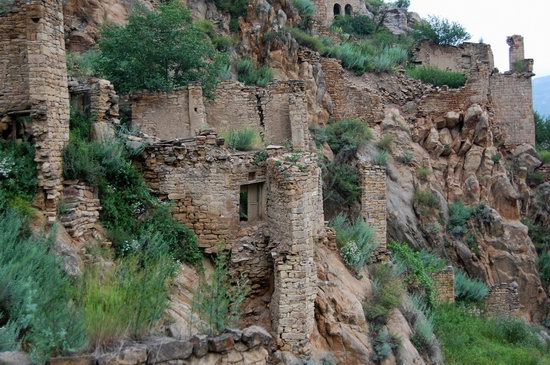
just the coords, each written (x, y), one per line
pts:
(348, 10)
(337, 10)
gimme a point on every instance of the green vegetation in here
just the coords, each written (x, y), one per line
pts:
(422, 324)
(18, 182)
(544, 156)
(82, 64)
(459, 215)
(471, 340)
(306, 10)
(540, 235)
(381, 158)
(384, 344)
(159, 50)
(358, 25)
(387, 293)
(250, 74)
(415, 272)
(542, 132)
(245, 139)
(389, 59)
(35, 309)
(347, 135)
(129, 210)
(341, 183)
(386, 143)
(406, 158)
(218, 302)
(469, 290)
(535, 178)
(437, 77)
(441, 31)
(426, 202)
(235, 8)
(423, 172)
(355, 241)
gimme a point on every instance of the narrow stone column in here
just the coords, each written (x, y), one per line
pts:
(295, 220)
(373, 202)
(516, 51)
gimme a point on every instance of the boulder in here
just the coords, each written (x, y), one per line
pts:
(256, 335)
(221, 344)
(166, 349)
(200, 345)
(452, 119)
(129, 355)
(14, 358)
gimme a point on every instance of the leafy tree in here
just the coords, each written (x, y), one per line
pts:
(159, 50)
(441, 31)
(542, 131)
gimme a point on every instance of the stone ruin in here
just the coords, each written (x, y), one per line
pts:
(503, 299)
(444, 283)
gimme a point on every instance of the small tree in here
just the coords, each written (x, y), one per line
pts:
(441, 31)
(218, 302)
(159, 50)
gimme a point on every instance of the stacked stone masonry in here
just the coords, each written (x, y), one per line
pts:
(466, 58)
(296, 223)
(278, 112)
(503, 299)
(373, 202)
(326, 11)
(33, 85)
(444, 285)
(80, 209)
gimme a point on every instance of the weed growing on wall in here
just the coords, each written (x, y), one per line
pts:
(250, 74)
(355, 241)
(245, 139)
(437, 77)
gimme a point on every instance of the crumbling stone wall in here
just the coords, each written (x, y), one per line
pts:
(444, 282)
(80, 209)
(503, 299)
(466, 58)
(33, 84)
(373, 201)
(169, 115)
(295, 221)
(325, 10)
(203, 181)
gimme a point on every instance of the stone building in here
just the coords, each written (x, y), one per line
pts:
(327, 10)
(34, 100)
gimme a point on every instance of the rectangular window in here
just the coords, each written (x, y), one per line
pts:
(251, 203)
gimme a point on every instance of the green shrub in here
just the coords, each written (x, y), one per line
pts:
(441, 31)
(459, 215)
(423, 172)
(355, 241)
(159, 50)
(469, 339)
(469, 290)
(219, 302)
(384, 344)
(402, 4)
(496, 158)
(127, 300)
(386, 143)
(82, 64)
(387, 292)
(415, 272)
(535, 178)
(18, 181)
(341, 183)
(307, 40)
(381, 158)
(249, 74)
(425, 199)
(359, 25)
(544, 268)
(389, 59)
(516, 331)
(34, 295)
(352, 57)
(406, 158)
(542, 131)
(347, 135)
(544, 156)
(437, 77)
(245, 139)
(422, 323)
(306, 10)
(236, 8)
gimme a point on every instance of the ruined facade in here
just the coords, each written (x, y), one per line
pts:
(327, 10)
(34, 100)
(503, 299)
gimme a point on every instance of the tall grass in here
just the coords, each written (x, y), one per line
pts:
(420, 317)
(437, 77)
(249, 74)
(245, 139)
(469, 290)
(306, 10)
(387, 293)
(347, 134)
(389, 59)
(355, 240)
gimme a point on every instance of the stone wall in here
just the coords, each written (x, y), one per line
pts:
(373, 201)
(444, 282)
(503, 299)
(203, 181)
(33, 85)
(350, 98)
(295, 221)
(80, 209)
(466, 58)
(325, 10)
(512, 98)
(177, 114)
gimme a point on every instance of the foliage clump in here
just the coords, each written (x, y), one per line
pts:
(441, 31)
(355, 241)
(306, 10)
(341, 183)
(542, 132)
(469, 290)
(249, 74)
(245, 139)
(387, 293)
(159, 49)
(347, 134)
(359, 25)
(437, 77)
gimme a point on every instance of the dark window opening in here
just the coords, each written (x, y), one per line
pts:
(252, 176)
(251, 203)
(348, 9)
(337, 10)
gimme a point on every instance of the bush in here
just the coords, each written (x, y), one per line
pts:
(469, 339)
(242, 139)
(384, 344)
(159, 50)
(423, 172)
(535, 178)
(307, 40)
(459, 215)
(235, 8)
(441, 31)
(389, 59)
(219, 302)
(355, 241)
(415, 272)
(347, 135)
(496, 158)
(249, 74)
(128, 299)
(353, 58)
(381, 158)
(386, 143)
(544, 156)
(306, 10)
(425, 199)
(422, 323)
(359, 25)
(544, 268)
(387, 292)
(437, 77)
(82, 64)
(542, 131)
(341, 183)
(34, 295)
(406, 158)
(469, 290)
